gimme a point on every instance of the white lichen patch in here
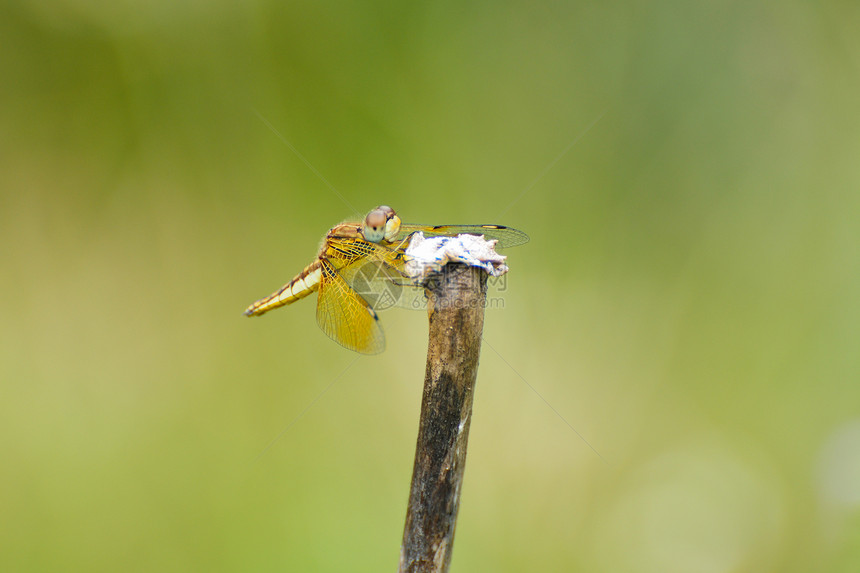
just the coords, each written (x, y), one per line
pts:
(428, 255)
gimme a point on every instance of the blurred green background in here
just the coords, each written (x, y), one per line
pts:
(688, 301)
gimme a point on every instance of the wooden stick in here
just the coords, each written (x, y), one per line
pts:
(456, 298)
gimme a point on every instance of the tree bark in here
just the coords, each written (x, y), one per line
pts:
(456, 299)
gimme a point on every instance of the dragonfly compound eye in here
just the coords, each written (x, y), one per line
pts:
(392, 227)
(374, 226)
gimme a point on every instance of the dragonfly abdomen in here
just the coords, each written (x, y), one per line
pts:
(302, 285)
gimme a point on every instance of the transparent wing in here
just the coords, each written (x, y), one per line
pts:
(506, 236)
(345, 316)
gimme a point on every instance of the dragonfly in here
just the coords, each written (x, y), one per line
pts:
(369, 257)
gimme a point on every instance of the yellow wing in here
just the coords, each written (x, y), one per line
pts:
(346, 317)
(345, 251)
(376, 272)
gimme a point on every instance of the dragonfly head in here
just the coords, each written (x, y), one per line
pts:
(381, 223)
